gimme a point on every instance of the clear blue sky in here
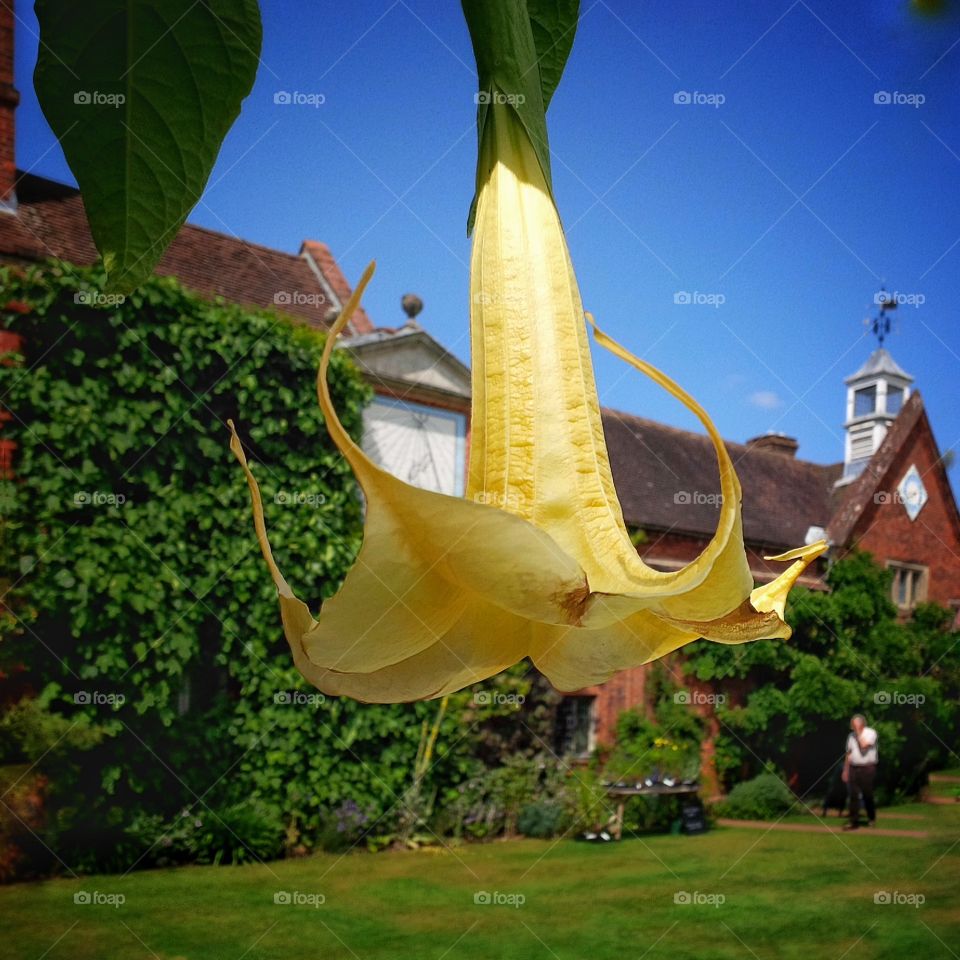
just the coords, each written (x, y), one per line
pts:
(793, 200)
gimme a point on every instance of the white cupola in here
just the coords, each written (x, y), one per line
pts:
(875, 395)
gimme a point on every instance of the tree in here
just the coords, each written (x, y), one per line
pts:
(790, 702)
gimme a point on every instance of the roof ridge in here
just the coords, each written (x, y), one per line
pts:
(235, 239)
(659, 425)
(321, 256)
(74, 193)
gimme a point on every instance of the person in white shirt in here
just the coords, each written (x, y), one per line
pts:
(860, 770)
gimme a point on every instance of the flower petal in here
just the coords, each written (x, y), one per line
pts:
(762, 616)
(537, 443)
(448, 663)
(426, 561)
(482, 642)
(719, 579)
(572, 659)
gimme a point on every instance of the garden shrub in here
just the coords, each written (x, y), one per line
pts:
(534, 796)
(239, 833)
(21, 816)
(542, 819)
(586, 800)
(41, 818)
(654, 814)
(345, 827)
(489, 804)
(666, 746)
(765, 797)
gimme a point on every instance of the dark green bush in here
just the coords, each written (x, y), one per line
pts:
(240, 833)
(489, 804)
(344, 828)
(535, 796)
(654, 814)
(667, 745)
(765, 797)
(542, 820)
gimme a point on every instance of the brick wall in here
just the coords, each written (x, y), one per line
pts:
(9, 98)
(623, 691)
(9, 343)
(933, 539)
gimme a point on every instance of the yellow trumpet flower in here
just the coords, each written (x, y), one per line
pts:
(535, 561)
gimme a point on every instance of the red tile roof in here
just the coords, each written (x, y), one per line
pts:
(50, 222)
(320, 254)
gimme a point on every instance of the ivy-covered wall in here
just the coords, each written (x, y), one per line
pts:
(137, 605)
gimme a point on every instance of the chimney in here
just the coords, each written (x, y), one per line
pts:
(9, 98)
(778, 443)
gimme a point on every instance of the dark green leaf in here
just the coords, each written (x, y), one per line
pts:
(141, 96)
(554, 24)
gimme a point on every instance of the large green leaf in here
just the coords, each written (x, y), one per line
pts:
(141, 95)
(521, 48)
(554, 24)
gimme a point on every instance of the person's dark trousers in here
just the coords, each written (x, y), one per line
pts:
(861, 783)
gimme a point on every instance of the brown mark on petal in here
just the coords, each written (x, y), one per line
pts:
(574, 603)
(738, 626)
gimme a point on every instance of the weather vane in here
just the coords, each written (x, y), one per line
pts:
(881, 323)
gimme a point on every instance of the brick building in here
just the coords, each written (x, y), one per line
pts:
(889, 495)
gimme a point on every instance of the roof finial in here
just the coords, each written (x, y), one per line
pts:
(412, 305)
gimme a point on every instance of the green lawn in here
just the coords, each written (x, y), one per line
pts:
(950, 788)
(786, 895)
(902, 817)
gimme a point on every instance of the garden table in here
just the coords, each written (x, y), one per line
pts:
(622, 792)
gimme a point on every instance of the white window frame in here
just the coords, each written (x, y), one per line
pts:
(917, 585)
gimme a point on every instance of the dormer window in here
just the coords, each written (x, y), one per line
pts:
(865, 401)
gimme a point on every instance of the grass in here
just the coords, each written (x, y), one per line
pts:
(949, 788)
(901, 817)
(786, 895)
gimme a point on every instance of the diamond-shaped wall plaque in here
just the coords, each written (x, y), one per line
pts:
(913, 494)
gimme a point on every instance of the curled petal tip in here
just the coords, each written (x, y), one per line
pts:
(809, 552)
(235, 446)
